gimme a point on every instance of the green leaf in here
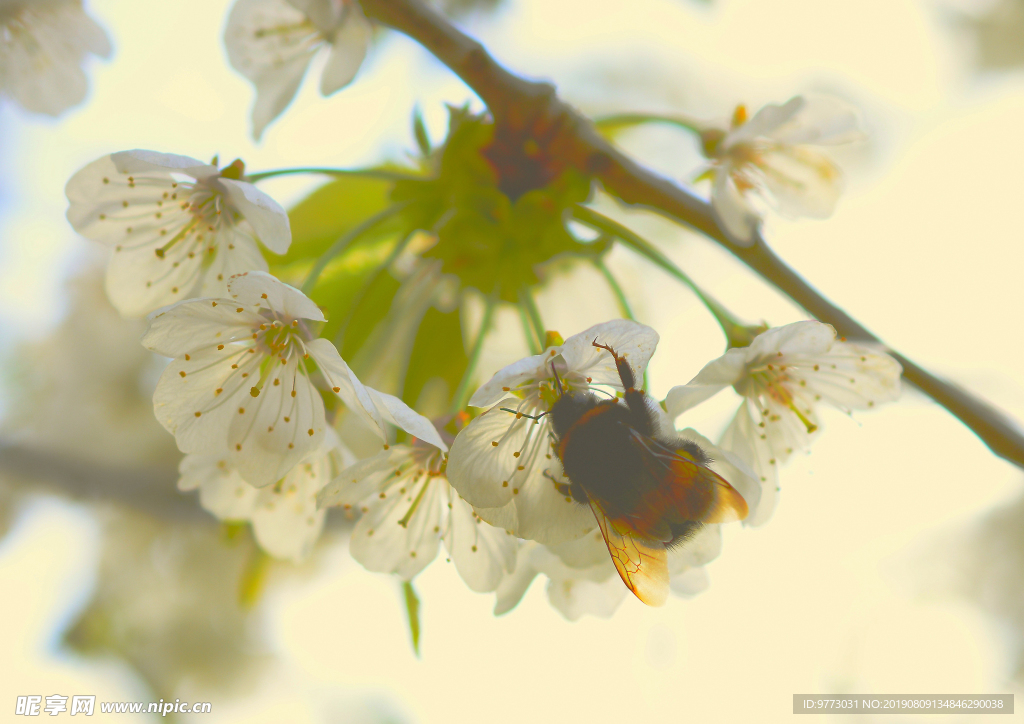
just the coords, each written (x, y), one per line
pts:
(412, 610)
(439, 352)
(420, 132)
(333, 209)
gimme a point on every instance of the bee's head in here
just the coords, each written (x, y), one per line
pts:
(569, 406)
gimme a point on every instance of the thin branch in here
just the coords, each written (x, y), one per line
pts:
(520, 103)
(151, 489)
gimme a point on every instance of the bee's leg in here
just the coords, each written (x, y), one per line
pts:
(569, 490)
(625, 371)
(683, 533)
(635, 399)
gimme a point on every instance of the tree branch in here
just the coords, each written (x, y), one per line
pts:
(521, 103)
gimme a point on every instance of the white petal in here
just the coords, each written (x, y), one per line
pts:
(712, 379)
(690, 582)
(348, 49)
(258, 288)
(346, 385)
(586, 557)
(765, 122)
(195, 399)
(752, 445)
(575, 598)
(222, 491)
(801, 182)
(482, 554)
(276, 89)
(364, 479)
(477, 468)
(198, 324)
(539, 513)
(509, 378)
(853, 376)
(268, 219)
(284, 518)
(514, 585)
(236, 253)
(286, 523)
(104, 201)
(271, 432)
(633, 341)
(513, 492)
(399, 414)
(809, 337)
(821, 120)
(382, 544)
(142, 161)
(138, 281)
(735, 213)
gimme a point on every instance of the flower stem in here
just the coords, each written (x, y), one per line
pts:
(344, 240)
(412, 610)
(735, 333)
(377, 173)
(531, 338)
(532, 316)
(462, 393)
(613, 284)
(626, 120)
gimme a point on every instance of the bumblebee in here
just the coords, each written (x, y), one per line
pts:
(649, 489)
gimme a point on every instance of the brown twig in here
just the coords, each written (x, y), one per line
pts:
(522, 103)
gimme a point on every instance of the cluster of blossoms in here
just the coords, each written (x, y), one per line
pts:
(244, 395)
(255, 397)
(244, 391)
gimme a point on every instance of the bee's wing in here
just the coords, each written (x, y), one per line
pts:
(693, 491)
(642, 565)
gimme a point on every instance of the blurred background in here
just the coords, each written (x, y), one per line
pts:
(894, 562)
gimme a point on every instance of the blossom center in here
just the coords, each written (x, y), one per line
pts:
(775, 383)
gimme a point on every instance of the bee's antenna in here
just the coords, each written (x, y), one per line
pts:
(558, 380)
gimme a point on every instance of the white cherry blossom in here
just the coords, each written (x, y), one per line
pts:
(271, 42)
(240, 379)
(501, 461)
(783, 375)
(284, 516)
(42, 46)
(407, 508)
(178, 227)
(773, 160)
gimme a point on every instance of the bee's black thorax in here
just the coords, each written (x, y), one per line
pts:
(596, 451)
